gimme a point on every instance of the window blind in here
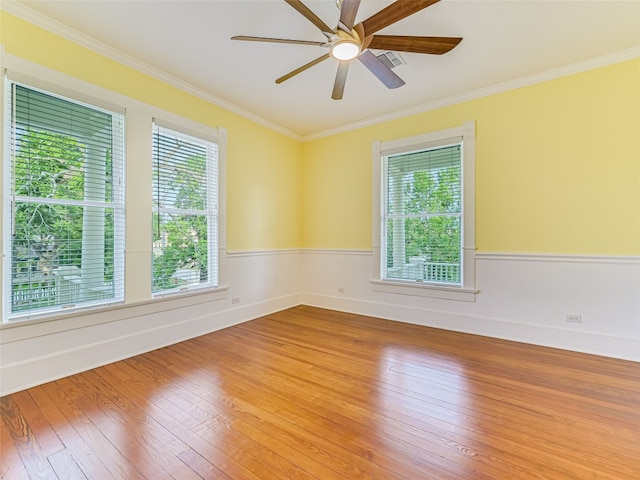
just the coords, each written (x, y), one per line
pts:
(422, 215)
(185, 213)
(65, 219)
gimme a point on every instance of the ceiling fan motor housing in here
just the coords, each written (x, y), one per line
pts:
(345, 46)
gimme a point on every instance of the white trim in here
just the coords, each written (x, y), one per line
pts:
(66, 202)
(464, 134)
(37, 370)
(53, 26)
(555, 73)
(83, 318)
(424, 290)
(479, 255)
(52, 88)
(524, 298)
(188, 129)
(28, 14)
(594, 343)
(440, 138)
(553, 257)
(469, 205)
(6, 198)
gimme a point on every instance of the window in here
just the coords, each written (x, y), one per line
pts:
(423, 211)
(185, 211)
(64, 216)
(422, 217)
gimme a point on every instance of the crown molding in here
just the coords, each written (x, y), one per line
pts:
(53, 26)
(564, 71)
(28, 14)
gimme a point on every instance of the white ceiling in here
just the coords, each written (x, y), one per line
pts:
(503, 41)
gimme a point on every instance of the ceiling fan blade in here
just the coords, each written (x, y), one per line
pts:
(348, 13)
(303, 68)
(277, 40)
(394, 13)
(341, 79)
(309, 15)
(380, 70)
(398, 43)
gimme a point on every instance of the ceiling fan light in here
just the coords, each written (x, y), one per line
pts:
(345, 50)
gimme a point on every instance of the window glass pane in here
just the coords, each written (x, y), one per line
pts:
(49, 165)
(55, 260)
(180, 251)
(427, 182)
(184, 219)
(180, 172)
(423, 216)
(54, 140)
(67, 209)
(427, 249)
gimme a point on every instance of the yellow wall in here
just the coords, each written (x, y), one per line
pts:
(263, 186)
(558, 163)
(557, 168)
(263, 167)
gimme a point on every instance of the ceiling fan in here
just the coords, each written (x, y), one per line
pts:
(347, 41)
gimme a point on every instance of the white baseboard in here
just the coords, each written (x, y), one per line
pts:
(39, 369)
(595, 343)
(522, 297)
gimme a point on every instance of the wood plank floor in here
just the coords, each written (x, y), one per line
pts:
(314, 394)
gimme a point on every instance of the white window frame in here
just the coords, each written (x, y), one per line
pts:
(464, 134)
(215, 168)
(118, 203)
(138, 143)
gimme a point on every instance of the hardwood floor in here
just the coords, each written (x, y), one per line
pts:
(315, 394)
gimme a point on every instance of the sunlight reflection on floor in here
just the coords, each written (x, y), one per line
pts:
(426, 388)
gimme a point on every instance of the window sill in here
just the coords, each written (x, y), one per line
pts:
(66, 321)
(186, 292)
(460, 294)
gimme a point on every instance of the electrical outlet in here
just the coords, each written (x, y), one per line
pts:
(340, 289)
(573, 318)
(235, 300)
